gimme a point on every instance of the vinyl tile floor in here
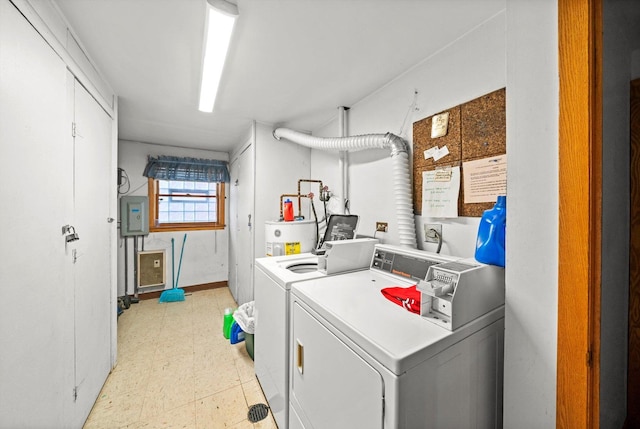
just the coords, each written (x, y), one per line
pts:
(176, 370)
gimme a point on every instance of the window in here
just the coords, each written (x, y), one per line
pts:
(185, 193)
(176, 205)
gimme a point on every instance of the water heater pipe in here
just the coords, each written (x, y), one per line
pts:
(343, 162)
(319, 182)
(400, 163)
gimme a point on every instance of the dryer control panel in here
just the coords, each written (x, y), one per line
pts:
(406, 263)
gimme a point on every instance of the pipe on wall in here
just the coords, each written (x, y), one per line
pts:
(343, 161)
(400, 163)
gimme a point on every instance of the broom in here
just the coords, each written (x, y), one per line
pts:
(175, 293)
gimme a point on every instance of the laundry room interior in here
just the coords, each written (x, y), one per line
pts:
(380, 214)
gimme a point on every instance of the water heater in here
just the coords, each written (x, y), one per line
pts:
(290, 238)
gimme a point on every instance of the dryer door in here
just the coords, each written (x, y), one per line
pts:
(331, 386)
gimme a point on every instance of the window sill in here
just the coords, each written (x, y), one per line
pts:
(190, 227)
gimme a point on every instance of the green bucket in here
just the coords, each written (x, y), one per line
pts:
(248, 341)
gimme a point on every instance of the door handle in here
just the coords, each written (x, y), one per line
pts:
(300, 356)
(70, 234)
(249, 222)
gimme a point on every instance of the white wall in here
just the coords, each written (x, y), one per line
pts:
(205, 258)
(470, 67)
(532, 215)
(515, 49)
(279, 166)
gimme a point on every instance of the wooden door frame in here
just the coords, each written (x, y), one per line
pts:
(633, 319)
(580, 217)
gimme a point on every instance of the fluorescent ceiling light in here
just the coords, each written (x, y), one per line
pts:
(218, 35)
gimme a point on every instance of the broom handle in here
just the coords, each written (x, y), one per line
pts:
(173, 265)
(180, 263)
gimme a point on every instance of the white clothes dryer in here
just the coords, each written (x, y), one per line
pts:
(359, 360)
(273, 279)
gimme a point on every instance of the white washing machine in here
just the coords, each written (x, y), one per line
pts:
(273, 279)
(360, 361)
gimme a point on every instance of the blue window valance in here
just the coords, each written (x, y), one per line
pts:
(188, 169)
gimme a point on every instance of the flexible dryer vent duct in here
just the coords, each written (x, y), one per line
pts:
(399, 158)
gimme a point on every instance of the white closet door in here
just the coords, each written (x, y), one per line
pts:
(234, 168)
(92, 272)
(36, 319)
(246, 223)
(241, 224)
(36, 357)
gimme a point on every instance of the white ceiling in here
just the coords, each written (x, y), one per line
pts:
(291, 62)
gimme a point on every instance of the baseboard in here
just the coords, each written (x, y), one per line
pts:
(187, 289)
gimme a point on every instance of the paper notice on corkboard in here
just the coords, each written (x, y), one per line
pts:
(485, 179)
(440, 189)
(475, 130)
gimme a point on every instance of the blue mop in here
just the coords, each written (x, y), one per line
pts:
(175, 293)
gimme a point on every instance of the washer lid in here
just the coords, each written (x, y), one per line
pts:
(278, 268)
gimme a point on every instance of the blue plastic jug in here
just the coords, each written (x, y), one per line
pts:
(237, 334)
(491, 234)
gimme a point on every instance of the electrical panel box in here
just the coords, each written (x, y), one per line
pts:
(151, 268)
(134, 216)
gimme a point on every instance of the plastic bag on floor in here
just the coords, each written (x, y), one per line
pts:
(245, 318)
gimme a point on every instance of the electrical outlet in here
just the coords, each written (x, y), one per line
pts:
(429, 235)
(381, 226)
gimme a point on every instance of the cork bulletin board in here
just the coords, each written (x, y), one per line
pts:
(476, 130)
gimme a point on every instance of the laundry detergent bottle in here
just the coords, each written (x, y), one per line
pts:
(227, 322)
(237, 334)
(288, 210)
(491, 234)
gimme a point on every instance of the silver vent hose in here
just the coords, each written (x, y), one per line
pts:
(399, 158)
